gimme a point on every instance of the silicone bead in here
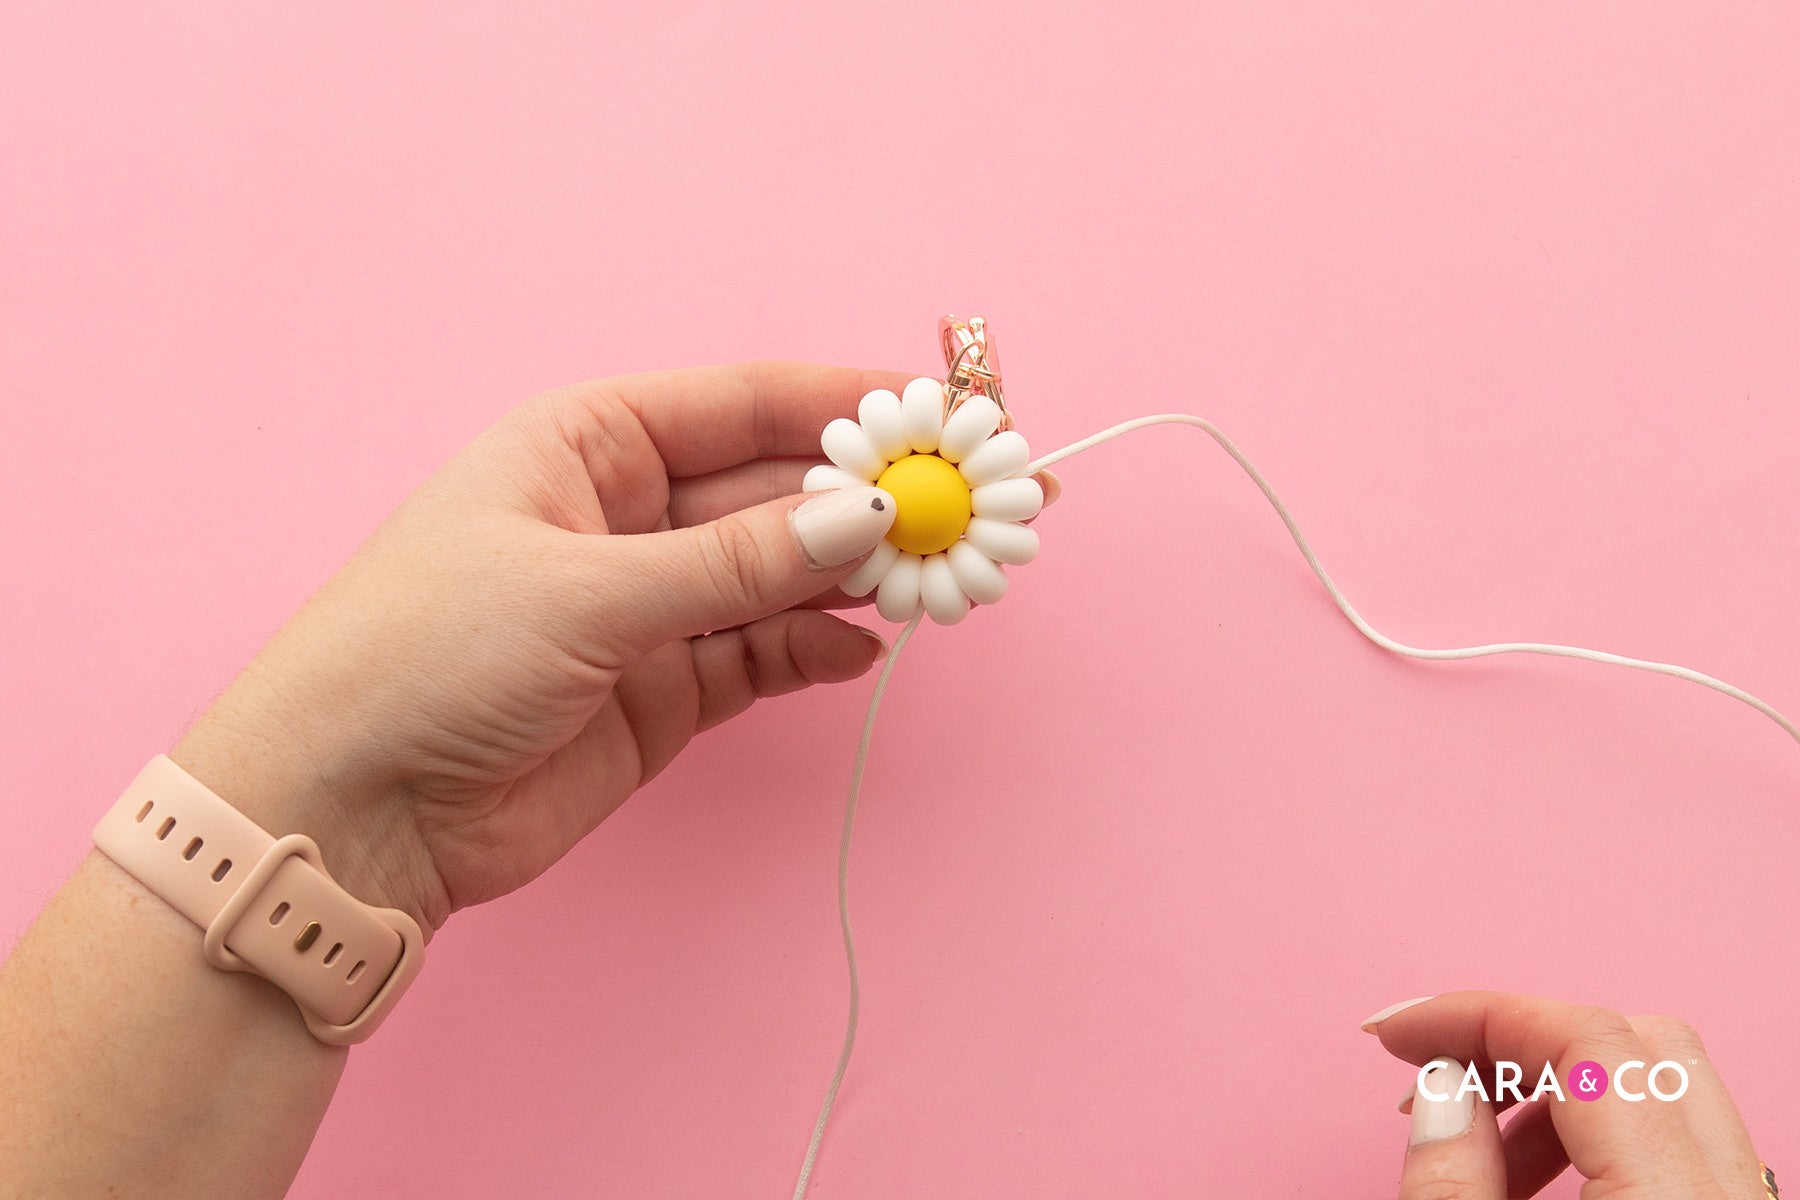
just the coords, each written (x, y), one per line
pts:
(922, 414)
(897, 598)
(824, 477)
(968, 427)
(1008, 500)
(1003, 541)
(867, 577)
(931, 503)
(879, 414)
(943, 597)
(848, 447)
(995, 459)
(981, 578)
(845, 444)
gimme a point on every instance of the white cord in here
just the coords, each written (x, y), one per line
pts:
(1369, 631)
(843, 889)
(1337, 597)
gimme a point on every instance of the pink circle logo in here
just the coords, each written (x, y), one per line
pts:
(1587, 1080)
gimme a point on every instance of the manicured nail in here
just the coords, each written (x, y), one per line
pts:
(1369, 1025)
(834, 528)
(1441, 1120)
(881, 646)
(1051, 484)
(1406, 1101)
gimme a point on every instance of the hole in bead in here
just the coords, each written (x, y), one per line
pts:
(281, 911)
(163, 830)
(145, 811)
(193, 848)
(332, 954)
(222, 870)
(355, 971)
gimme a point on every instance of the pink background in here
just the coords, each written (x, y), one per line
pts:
(1500, 295)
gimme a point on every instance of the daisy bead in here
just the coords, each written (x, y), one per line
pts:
(959, 496)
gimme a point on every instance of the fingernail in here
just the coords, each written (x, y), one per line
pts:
(1440, 1120)
(881, 646)
(1369, 1025)
(834, 528)
(1406, 1101)
(1051, 484)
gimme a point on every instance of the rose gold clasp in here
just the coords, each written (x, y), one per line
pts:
(971, 364)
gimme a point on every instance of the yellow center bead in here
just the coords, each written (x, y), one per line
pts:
(931, 503)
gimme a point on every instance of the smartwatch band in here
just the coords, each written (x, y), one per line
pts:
(267, 904)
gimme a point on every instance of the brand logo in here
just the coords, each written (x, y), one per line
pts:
(1632, 1081)
(1587, 1080)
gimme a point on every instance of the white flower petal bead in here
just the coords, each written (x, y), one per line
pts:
(1008, 500)
(845, 444)
(995, 459)
(879, 414)
(922, 414)
(1003, 541)
(944, 600)
(981, 578)
(959, 495)
(826, 477)
(897, 599)
(867, 577)
(969, 426)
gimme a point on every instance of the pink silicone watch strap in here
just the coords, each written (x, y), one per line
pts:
(267, 906)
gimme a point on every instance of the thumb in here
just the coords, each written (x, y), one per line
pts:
(1455, 1151)
(740, 568)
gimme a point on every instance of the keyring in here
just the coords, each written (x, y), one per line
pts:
(971, 364)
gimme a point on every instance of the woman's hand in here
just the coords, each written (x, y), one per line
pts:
(1694, 1147)
(534, 633)
(544, 624)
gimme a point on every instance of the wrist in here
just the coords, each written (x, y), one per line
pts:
(284, 777)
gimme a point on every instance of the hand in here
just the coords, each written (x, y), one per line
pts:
(542, 626)
(1691, 1148)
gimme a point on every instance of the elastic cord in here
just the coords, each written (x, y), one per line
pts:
(1369, 631)
(1337, 597)
(843, 893)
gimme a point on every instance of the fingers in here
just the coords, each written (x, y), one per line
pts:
(708, 497)
(1706, 1108)
(779, 654)
(1454, 1149)
(709, 418)
(1534, 1154)
(643, 590)
(1609, 1139)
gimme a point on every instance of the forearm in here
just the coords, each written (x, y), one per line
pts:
(128, 1066)
(538, 629)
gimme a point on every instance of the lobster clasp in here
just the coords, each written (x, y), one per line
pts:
(971, 365)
